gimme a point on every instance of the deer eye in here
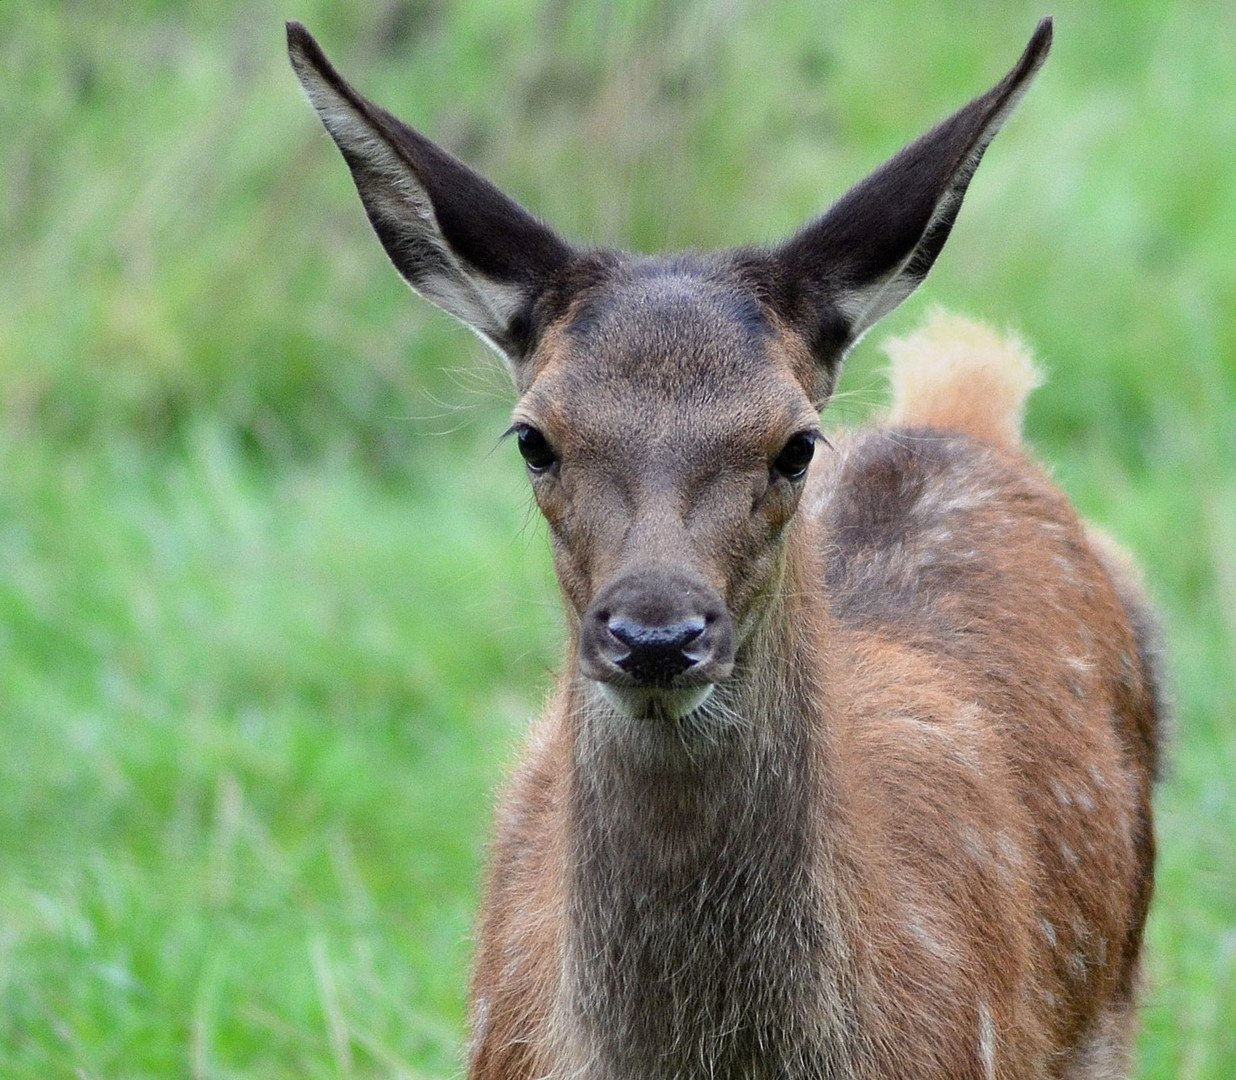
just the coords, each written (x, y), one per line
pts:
(535, 448)
(795, 456)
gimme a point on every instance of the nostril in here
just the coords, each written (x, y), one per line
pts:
(625, 631)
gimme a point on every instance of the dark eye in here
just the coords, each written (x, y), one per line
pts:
(535, 448)
(795, 456)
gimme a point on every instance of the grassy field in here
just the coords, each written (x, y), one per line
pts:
(273, 608)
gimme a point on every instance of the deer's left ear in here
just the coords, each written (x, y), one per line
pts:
(874, 247)
(455, 238)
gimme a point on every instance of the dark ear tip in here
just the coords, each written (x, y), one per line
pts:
(303, 46)
(1031, 60)
(1040, 42)
(298, 36)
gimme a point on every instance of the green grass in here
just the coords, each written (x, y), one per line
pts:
(273, 611)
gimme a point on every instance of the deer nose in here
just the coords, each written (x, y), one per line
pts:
(655, 655)
(656, 628)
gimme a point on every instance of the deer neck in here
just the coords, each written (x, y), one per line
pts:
(697, 856)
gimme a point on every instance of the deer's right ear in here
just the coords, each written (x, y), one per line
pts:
(455, 238)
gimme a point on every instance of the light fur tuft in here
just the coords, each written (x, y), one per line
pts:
(960, 375)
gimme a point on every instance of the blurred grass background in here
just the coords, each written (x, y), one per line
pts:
(272, 615)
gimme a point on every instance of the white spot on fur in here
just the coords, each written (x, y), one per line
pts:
(919, 931)
(975, 844)
(1049, 931)
(987, 1041)
(1010, 851)
(964, 754)
(480, 1021)
(1083, 665)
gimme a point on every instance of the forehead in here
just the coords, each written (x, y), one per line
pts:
(668, 345)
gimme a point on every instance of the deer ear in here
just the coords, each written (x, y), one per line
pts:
(455, 238)
(875, 246)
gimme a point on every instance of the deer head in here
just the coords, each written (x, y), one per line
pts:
(667, 406)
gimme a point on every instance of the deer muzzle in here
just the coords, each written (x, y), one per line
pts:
(657, 639)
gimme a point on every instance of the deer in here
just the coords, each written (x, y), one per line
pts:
(848, 770)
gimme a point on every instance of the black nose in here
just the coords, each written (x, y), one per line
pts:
(656, 654)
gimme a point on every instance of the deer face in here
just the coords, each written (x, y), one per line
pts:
(667, 439)
(667, 407)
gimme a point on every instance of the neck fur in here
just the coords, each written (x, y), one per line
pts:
(705, 919)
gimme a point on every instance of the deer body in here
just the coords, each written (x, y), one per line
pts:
(848, 772)
(918, 856)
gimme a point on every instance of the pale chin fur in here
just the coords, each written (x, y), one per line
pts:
(674, 704)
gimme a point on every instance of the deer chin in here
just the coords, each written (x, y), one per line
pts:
(640, 703)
